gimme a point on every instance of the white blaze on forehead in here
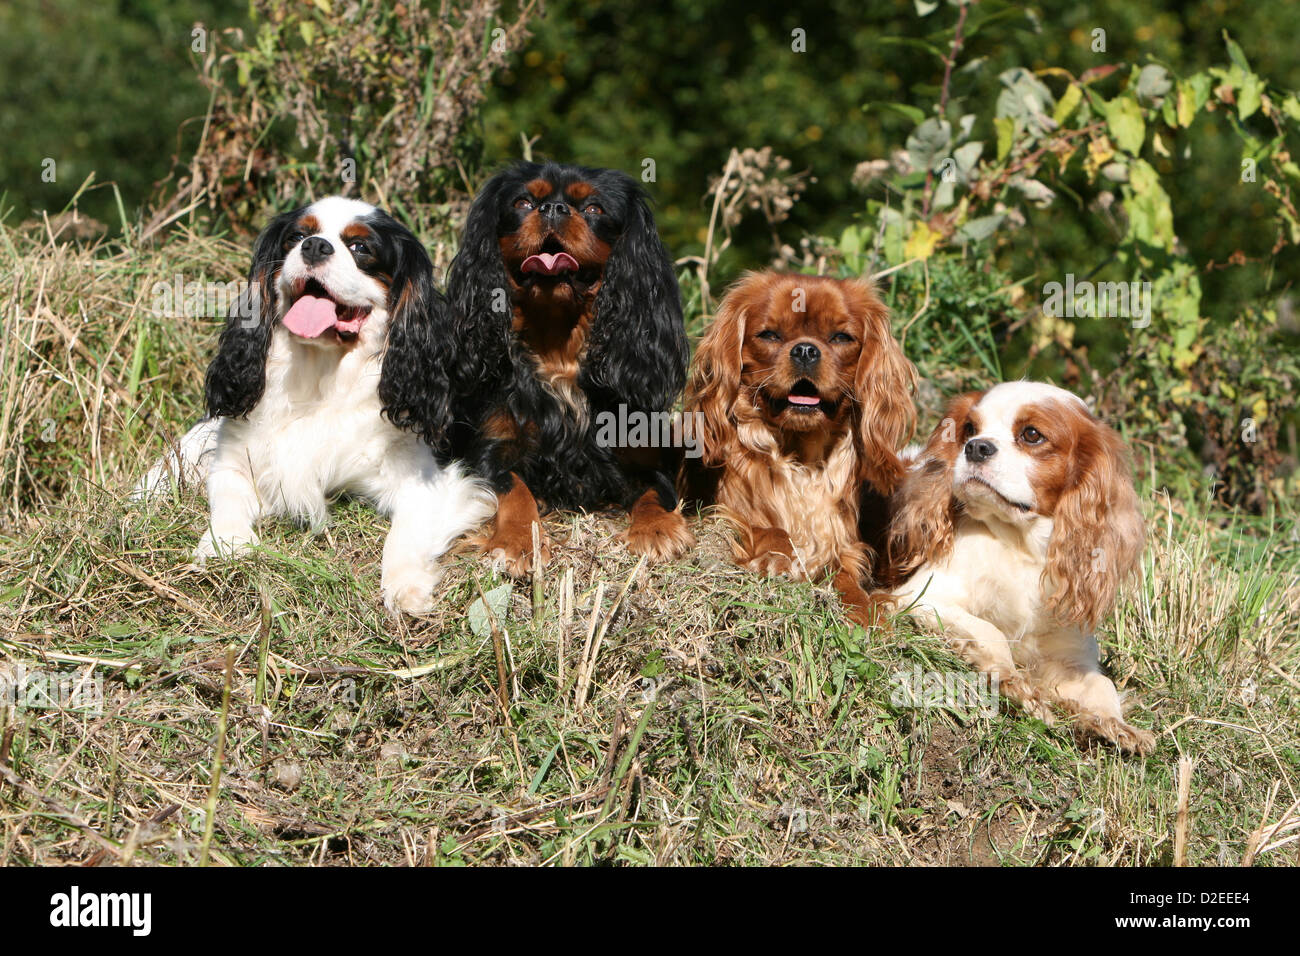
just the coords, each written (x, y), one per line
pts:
(996, 412)
(336, 213)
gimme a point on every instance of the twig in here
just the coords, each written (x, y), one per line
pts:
(1185, 766)
(215, 786)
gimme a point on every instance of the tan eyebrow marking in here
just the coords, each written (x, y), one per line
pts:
(356, 230)
(581, 190)
(309, 224)
(540, 188)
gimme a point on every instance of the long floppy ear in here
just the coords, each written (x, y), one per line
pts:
(922, 509)
(883, 387)
(1097, 530)
(637, 350)
(478, 294)
(715, 380)
(237, 374)
(413, 384)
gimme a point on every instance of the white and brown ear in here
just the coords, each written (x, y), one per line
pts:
(715, 379)
(922, 509)
(1097, 533)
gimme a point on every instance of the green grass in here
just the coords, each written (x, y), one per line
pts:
(727, 719)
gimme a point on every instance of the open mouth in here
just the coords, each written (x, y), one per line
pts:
(1019, 506)
(552, 260)
(802, 399)
(315, 312)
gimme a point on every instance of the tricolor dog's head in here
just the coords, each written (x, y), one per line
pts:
(335, 275)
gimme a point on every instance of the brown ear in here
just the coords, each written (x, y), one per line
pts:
(921, 522)
(883, 387)
(1097, 531)
(715, 377)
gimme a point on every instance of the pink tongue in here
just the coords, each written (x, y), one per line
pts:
(549, 263)
(310, 316)
(803, 399)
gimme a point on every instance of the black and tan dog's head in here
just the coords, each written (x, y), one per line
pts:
(561, 286)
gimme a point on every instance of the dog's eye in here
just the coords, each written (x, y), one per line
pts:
(293, 239)
(523, 203)
(839, 338)
(967, 430)
(592, 209)
(359, 248)
(1032, 436)
(769, 335)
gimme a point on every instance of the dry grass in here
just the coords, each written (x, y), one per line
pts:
(726, 719)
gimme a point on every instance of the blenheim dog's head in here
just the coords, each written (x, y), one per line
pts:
(336, 276)
(1031, 457)
(793, 364)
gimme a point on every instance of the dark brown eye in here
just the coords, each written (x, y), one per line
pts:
(839, 338)
(523, 203)
(293, 239)
(1031, 435)
(769, 335)
(967, 430)
(592, 209)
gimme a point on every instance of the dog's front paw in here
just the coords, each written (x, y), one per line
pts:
(222, 547)
(512, 553)
(410, 592)
(662, 538)
(771, 563)
(1123, 735)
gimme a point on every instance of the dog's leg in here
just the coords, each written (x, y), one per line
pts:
(427, 517)
(986, 648)
(869, 610)
(657, 531)
(184, 465)
(768, 551)
(235, 507)
(511, 544)
(1092, 698)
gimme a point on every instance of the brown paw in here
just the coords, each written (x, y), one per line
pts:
(512, 553)
(770, 563)
(1123, 735)
(1019, 690)
(661, 538)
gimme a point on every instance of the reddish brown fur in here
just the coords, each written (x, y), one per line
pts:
(791, 475)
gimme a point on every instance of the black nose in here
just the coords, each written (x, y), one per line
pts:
(315, 249)
(553, 210)
(979, 449)
(805, 354)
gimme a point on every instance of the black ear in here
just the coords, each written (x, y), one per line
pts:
(237, 375)
(478, 293)
(413, 384)
(638, 351)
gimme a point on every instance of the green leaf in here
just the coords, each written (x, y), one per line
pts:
(1006, 130)
(1151, 219)
(1153, 82)
(926, 7)
(980, 228)
(1124, 117)
(1248, 97)
(498, 599)
(1235, 54)
(913, 113)
(929, 142)
(1068, 101)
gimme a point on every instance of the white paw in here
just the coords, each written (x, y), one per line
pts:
(410, 591)
(223, 547)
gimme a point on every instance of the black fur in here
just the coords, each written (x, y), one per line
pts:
(237, 375)
(636, 352)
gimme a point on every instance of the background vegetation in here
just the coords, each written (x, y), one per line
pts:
(965, 154)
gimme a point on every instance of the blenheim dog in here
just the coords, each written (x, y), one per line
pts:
(1013, 531)
(564, 308)
(804, 398)
(341, 295)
